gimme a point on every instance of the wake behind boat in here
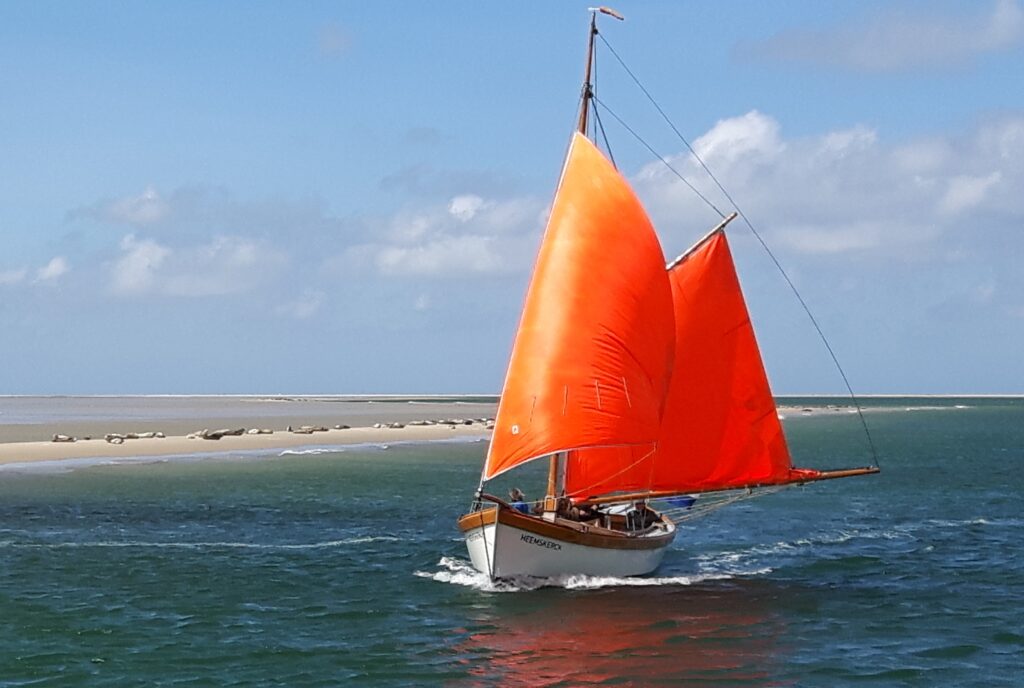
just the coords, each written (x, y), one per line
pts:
(636, 379)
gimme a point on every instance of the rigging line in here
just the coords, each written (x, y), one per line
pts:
(665, 117)
(483, 536)
(699, 511)
(597, 124)
(607, 145)
(750, 226)
(655, 153)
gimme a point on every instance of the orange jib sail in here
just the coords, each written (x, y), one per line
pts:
(592, 359)
(720, 427)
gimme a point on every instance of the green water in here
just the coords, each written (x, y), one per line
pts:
(346, 568)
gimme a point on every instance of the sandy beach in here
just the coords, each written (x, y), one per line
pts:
(28, 424)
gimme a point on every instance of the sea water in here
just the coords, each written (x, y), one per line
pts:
(345, 567)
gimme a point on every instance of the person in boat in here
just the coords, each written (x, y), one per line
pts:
(567, 510)
(641, 517)
(518, 499)
(589, 512)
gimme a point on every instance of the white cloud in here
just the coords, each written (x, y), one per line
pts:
(744, 137)
(57, 267)
(53, 270)
(13, 276)
(923, 157)
(837, 238)
(136, 272)
(468, 235)
(225, 265)
(410, 227)
(840, 143)
(441, 256)
(964, 192)
(1004, 139)
(145, 209)
(465, 207)
(896, 41)
(844, 192)
(305, 306)
(187, 212)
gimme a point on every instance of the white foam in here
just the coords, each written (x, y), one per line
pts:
(979, 521)
(460, 572)
(728, 560)
(121, 544)
(596, 582)
(752, 560)
(311, 452)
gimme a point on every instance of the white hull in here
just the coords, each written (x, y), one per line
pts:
(505, 551)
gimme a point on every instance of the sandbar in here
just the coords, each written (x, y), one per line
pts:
(28, 452)
(28, 424)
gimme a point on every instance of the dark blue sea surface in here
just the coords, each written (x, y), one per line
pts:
(345, 567)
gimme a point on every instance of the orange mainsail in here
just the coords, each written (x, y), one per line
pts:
(720, 427)
(592, 359)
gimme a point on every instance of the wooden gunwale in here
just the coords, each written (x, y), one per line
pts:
(564, 530)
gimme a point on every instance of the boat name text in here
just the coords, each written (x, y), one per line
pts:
(539, 542)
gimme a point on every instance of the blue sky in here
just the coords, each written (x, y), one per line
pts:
(347, 197)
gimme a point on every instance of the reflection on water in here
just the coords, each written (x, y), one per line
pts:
(723, 634)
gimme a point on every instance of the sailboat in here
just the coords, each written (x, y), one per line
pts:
(637, 380)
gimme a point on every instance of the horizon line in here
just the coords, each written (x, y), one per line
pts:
(333, 395)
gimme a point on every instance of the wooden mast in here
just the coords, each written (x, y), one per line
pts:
(588, 90)
(588, 86)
